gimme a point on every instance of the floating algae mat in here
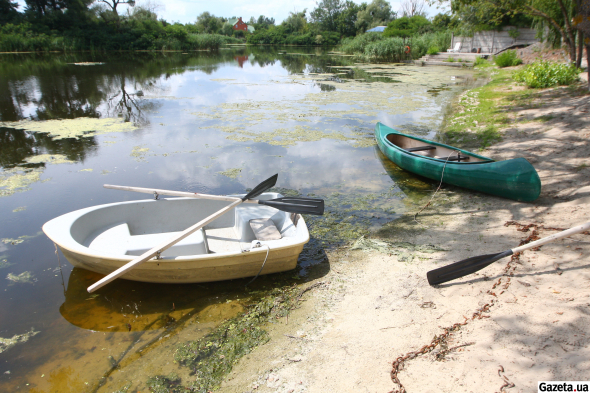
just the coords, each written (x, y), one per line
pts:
(18, 179)
(72, 128)
(349, 100)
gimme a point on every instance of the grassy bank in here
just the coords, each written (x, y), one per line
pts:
(480, 115)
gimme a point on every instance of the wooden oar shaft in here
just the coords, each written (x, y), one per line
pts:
(566, 233)
(161, 247)
(175, 193)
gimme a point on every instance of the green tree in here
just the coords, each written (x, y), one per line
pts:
(8, 11)
(443, 22)
(581, 22)
(406, 27)
(326, 14)
(112, 4)
(296, 22)
(348, 17)
(377, 13)
(208, 23)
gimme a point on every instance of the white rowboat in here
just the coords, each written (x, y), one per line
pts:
(106, 237)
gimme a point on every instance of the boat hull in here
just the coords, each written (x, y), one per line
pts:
(94, 239)
(514, 179)
(218, 268)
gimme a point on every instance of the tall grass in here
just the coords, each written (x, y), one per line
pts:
(357, 44)
(374, 46)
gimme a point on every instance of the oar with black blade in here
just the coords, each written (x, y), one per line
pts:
(256, 191)
(473, 264)
(299, 205)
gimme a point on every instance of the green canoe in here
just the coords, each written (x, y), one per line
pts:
(514, 179)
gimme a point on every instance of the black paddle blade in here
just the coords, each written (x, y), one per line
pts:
(296, 205)
(463, 268)
(259, 189)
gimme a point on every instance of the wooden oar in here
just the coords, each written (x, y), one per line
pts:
(289, 204)
(259, 189)
(473, 264)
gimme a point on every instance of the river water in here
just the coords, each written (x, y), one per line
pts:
(216, 123)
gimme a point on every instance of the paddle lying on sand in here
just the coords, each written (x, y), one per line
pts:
(288, 204)
(473, 264)
(259, 189)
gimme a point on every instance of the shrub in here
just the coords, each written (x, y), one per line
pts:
(480, 61)
(507, 59)
(542, 74)
(433, 50)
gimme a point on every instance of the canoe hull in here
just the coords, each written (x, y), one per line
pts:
(106, 237)
(514, 179)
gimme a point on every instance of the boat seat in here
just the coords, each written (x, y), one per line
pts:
(118, 240)
(420, 148)
(454, 158)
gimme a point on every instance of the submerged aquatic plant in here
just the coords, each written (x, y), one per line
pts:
(214, 355)
(7, 343)
(165, 384)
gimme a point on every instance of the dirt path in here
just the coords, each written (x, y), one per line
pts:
(521, 320)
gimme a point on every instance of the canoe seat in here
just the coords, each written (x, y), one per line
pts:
(118, 240)
(454, 158)
(420, 148)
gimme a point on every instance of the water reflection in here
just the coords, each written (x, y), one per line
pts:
(134, 306)
(16, 146)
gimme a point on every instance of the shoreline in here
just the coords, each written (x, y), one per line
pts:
(519, 321)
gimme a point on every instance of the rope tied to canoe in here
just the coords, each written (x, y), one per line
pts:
(439, 185)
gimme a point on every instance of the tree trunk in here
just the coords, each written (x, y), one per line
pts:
(580, 49)
(588, 65)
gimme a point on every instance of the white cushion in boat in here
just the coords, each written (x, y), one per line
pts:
(265, 229)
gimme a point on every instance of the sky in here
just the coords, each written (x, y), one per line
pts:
(186, 11)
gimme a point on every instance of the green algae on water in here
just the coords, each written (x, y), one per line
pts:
(72, 128)
(20, 209)
(4, 263)
(7, 343)
(232, 173)
(14, 242)
(49, 159)
(139, 153)
(18, 179)
(23, 278)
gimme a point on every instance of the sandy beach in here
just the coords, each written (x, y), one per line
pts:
(521, 320)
